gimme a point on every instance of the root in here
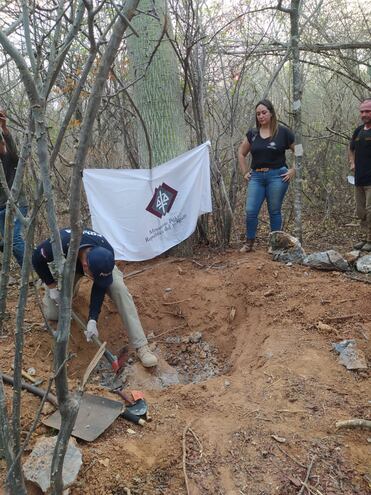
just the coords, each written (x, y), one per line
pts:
(304, 483)
(186, 429)
(185, 458)
(354, 423)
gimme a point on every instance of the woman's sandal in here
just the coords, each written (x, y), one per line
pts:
(248, 247)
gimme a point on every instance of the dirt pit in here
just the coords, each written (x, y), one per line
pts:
(248, 389)
(182, 360)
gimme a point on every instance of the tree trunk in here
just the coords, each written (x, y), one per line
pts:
(157, 89)
(296, 111)
(157, 92)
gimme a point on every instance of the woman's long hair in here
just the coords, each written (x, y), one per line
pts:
(274, 123)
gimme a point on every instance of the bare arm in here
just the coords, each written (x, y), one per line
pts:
(351, 158)
(291, 171)
(243, 151)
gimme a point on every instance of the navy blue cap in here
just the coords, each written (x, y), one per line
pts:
(101, 262)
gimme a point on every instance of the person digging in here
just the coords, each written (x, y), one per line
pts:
(96, 261)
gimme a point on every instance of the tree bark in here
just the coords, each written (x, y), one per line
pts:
(296, 111)
(157, 89)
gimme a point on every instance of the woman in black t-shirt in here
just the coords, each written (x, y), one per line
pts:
(269, 176)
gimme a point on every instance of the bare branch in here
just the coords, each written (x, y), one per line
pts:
(283, 9)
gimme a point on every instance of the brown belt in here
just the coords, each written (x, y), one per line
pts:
(262, 169)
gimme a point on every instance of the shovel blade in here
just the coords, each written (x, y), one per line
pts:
(95, 415)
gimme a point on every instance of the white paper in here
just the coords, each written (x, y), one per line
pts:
(299, 150)
(350, 179)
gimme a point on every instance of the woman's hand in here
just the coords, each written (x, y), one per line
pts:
(287, 176)
(247, 176)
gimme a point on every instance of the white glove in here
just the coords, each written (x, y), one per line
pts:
(91, 330)
(54, 294)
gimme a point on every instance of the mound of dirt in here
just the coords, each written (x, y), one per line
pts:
(249, 388)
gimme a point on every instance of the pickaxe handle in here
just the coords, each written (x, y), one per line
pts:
(111, 358)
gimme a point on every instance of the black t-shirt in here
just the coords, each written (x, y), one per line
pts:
(361, 145)
(270, 152)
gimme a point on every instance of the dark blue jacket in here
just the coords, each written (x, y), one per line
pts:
(43, 255)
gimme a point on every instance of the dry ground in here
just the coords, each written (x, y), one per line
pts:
(260, 390)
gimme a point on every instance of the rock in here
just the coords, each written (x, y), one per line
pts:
(324, 326)
(285, 247)
(279, 439)
(350, 356)
(353, 358)
(48, 408)
(38, 465)
(269, 292)
(295, 481)
(195, 337)
(173, 339)
(281, 240)
(232, 314)
(363, 264)
(352, 256)
(340, 346)
(326, 260)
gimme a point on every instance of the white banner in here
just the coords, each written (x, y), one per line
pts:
(144, 212)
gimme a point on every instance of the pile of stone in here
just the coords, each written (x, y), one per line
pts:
(288, 249)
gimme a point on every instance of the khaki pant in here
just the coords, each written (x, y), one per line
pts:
(123, 300)
(363, 209)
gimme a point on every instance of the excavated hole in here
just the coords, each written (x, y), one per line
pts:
(195, 359)
(189, 359)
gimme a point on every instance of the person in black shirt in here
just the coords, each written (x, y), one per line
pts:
(360, 162)
(269, 176)
(9, 159)
(95, 260)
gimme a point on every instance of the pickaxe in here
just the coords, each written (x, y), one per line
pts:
(117, 362)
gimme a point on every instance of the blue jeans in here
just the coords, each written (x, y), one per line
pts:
(18, 242)
(265, 185)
